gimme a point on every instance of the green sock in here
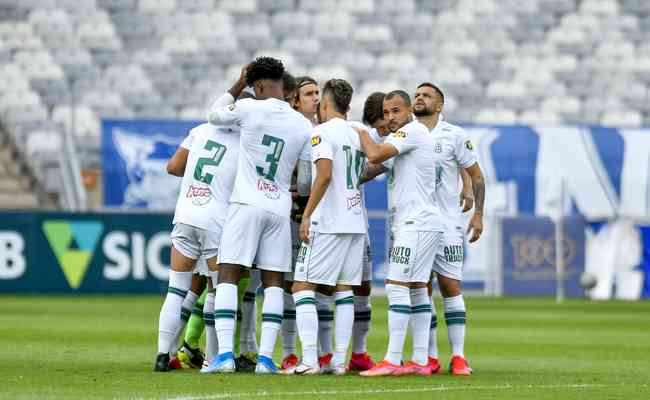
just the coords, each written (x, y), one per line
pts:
(241, 290)
(196, 324)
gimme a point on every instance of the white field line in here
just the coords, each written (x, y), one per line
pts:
(424, 389)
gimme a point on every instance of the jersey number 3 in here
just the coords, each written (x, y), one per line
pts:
(272, 158)
(214, 160)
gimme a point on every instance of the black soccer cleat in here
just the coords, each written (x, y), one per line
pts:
(244, 364)
(195, 356)
(162, 363)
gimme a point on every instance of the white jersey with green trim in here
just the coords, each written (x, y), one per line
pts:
(209, 176)
(341, 209)
(411, 183)
(273, 137)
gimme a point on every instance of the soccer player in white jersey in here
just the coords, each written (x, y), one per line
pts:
(457, 157)
(273, 138)
(201, 209)
(332, 230)
(416, 231)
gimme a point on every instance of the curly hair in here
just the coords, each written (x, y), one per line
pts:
(373, 108)
(341, 92)
(264, 68)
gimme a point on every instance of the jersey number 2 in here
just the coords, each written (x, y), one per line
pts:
(272, 158)
(214, 160)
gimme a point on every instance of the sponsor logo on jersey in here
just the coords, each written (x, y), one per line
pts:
(270, 189)
(399, 255)
(354, 203)
(315, 140)
(453, 253)
(200, 196)
(469, 145)
(399, 134)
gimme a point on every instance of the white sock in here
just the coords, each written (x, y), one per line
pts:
(211, 346)
(455, 317)
(179, 285)
(325, 322)
(288, 326)
(433, 331)
(344, 302)
(361, 327)
(399, 310)
(225, 312)
(248, 323)
(271, 319)
(420, 324)
(307, 321)
(186, 313)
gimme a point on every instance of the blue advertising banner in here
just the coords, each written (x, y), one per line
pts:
(84, 253)
(528, 256)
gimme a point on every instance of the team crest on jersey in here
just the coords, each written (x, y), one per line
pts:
(199, 196)
(469, 145)
(315, 140)
(438, 148)
(399, 134)
(354, 203)
(270, 189)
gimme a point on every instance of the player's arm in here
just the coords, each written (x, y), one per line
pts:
(303, 179)
(176, 164)
(376, 153)
(222, 112)
(478, 186)
(371, 171)
(466, 194)
(318, 189)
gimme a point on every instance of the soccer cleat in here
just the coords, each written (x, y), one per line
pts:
(360, 362)
(325, 363)
(162, 363)
(304, 369)
(411, 368)
(244, 363)
(265, 366)
(175, 363)
(223, 363)
(189, 356)
(435, 365)
(289, 362)
(458, 366)
(383, 368)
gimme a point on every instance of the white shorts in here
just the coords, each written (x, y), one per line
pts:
(411, 256)
(295, 246)
(201, 267)
(330, 259)
(450, 255)
(252, 235)
(195, 243)
(366, 266)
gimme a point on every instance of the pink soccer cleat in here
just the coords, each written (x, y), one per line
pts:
(289, 362)
(360, 362)
(411, 368)
(383, 368)
(435, 365)
(458, 366)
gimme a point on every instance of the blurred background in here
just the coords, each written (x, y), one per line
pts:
(95, 96)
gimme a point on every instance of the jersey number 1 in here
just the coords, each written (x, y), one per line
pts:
(273, 157)
(358, 166)
(214, 160)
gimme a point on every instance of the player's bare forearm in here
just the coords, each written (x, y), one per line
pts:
(176, 164)
(375, 152)
(466, 194)
(478, 187)
(371, 171)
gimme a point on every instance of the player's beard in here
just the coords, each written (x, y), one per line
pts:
(423, 112)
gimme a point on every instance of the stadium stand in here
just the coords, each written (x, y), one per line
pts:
(536, 61)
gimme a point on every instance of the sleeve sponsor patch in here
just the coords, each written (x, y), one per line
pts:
(469, 145)
(315, 140)
(399, 134)
(231, 107)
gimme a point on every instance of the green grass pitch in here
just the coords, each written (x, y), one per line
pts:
(104, 348)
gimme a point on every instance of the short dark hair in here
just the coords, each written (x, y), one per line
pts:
(341, 92)
(435, 89)
(264, 68)
(373, 108)
(289, 83)
(245, 95)
(405, 96)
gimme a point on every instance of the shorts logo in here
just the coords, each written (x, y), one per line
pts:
(73, 244)
(454, 253)
(300, 258)
(270, 189)
(315, 140)
(400, 255)
(200, 196)
(469, 145)
(399, 135)
(354, 203)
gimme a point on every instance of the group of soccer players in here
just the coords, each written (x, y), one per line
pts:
(272, 196)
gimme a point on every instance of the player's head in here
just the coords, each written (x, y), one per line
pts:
(307, 96)
(265, 76)
(373, 113)
(289, 87)
(337, 94)
(397, 109)
(429, 100)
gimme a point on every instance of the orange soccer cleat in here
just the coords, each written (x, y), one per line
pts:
(383, 368)
(411, 368)
(458, 366)
(435, 365)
